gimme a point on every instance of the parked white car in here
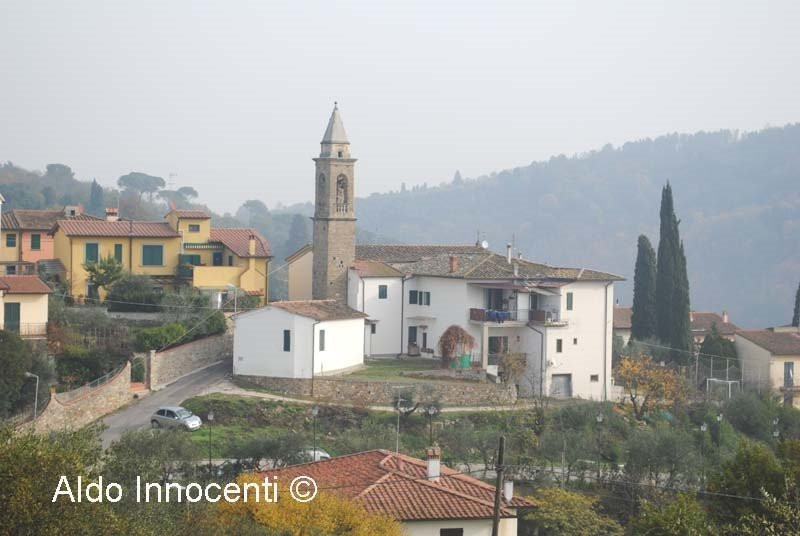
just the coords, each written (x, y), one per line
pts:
(175, 417)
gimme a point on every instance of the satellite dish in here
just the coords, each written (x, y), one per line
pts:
(485, 244)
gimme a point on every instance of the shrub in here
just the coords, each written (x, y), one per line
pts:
(133, 293)
(158, 337)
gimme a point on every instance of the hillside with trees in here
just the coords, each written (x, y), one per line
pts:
(739, 214)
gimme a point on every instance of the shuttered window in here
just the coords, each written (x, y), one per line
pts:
(287, 340)
(383, 292)
(322, 340)
(569, 301)
(412, 297)
(91, 252)
(118, 253)
(152, 255)
(36, 242)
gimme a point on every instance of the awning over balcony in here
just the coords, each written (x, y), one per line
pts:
(203, 245)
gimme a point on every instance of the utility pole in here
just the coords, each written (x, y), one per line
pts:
(498, 486)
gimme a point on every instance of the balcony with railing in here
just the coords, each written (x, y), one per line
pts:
(27, 330)
(551, 318)
(498, 317)
(342, 207)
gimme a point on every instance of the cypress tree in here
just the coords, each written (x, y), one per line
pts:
(666, 273)
(96, 203)
(681, 337)
(796, 316)
(643, 319)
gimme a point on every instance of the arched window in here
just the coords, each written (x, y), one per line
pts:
(342, 197)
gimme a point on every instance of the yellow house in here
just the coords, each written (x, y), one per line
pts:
(23, 305)
(181, 250)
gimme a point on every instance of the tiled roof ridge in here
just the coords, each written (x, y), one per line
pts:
(486, 259)
(433, 484)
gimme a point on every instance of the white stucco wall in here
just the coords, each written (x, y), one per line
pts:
(449, 306)
(258, 344)
(344, 346)
(363, 296)
(472, 527)
(32, 308)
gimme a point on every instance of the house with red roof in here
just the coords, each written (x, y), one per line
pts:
(429, 498)
(23, 305)
(769, 359)
(181, 250)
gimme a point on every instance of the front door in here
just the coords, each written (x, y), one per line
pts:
(412, 334)
(11, 314)
(561, 386)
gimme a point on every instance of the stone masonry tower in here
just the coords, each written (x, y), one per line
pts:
(334, 214)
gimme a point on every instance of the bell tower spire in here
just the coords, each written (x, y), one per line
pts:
(334, 213)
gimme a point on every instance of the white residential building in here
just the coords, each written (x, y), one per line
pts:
(290, 339)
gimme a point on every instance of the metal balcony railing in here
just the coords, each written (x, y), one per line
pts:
(26, 330)
(496, 315)
(548, 318)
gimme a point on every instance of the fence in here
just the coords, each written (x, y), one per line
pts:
(27, 330)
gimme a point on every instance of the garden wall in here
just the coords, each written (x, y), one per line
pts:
(75, 409)
(381, 393)
(169, 365)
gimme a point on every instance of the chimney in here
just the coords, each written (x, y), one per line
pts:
(434, 454)
(508, 489)
(453, 264)
(251, 246)
(112, 214)
(724, 317)
(508, 253)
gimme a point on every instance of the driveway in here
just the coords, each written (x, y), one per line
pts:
(137, 414)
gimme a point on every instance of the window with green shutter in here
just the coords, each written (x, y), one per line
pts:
(91, 252)
(11, 240)
(569, 301)
(36, 242)
(152, 255)
(118, 253)
(412, 297)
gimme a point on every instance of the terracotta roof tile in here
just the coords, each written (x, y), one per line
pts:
(139, 229)
(37, 220)
(410, 252)
(191, 214)
(23, 284)
(777, 342)
(622, 317)
(702, 322)
(319, 309)
(397, 485)
(375, 269)
(237, 239)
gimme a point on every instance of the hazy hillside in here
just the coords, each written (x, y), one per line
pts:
(738, 196)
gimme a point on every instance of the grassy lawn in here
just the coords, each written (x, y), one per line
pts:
(390, 369)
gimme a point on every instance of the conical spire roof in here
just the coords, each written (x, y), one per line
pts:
(335, 132)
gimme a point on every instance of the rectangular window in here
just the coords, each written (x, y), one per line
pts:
(575, 341)
(91, 252)
(559, 346)
(594, 378)
(287, 340)
(322, 340)
(412, 297)
(216, 258)
(451, 532)
(11, 270)
(11, 240)
(194, 227)
(152, 255)
(383, 292)
(118, 253)
(372, 328)
(36, 242)
(230, 260)
(569, 301)
(426, 298)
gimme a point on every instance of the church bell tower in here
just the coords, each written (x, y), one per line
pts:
(334, 213)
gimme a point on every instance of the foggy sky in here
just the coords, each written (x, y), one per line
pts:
(233, 97)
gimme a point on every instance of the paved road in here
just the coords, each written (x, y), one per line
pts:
(137, 414)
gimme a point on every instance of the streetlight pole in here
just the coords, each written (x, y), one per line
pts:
(703, 428)
(210, 419)
(35, 397)
(431, 410)
(599, 419)
(314, 413)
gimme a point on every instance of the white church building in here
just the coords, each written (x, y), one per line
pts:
(559, 318)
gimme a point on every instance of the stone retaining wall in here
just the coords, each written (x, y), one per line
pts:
(382, 393)
(169, 365)
(87, 407)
